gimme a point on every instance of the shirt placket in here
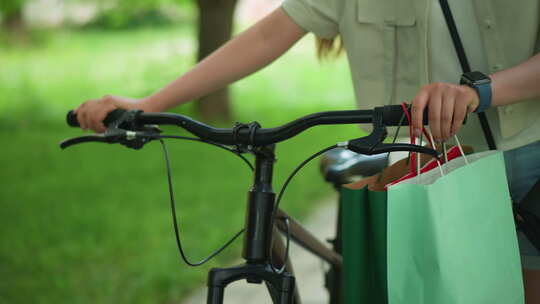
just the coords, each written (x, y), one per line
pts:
(494, 51)
(389, 53)
(495, 56)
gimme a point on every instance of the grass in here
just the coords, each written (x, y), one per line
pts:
(92, 224)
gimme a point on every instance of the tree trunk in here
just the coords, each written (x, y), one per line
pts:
(13, 23)
(215, 28)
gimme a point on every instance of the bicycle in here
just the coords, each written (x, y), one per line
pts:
(262, 246)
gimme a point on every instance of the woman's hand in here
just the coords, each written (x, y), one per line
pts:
(447, 105)
(91, 113)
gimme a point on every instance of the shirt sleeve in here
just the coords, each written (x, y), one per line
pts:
(317, 16)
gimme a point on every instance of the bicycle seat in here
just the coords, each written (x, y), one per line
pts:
(341, 166)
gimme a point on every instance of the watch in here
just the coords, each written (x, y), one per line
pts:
(482, 84)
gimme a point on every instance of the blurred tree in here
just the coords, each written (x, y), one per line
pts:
(215, 28)
(125, 14)
(12, 16)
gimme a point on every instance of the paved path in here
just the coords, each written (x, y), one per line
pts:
(309, 270)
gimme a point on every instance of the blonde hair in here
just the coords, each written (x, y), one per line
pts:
(329, 48)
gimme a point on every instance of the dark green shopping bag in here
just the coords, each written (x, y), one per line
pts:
(364, 235)
(433, 239)
(364, 246)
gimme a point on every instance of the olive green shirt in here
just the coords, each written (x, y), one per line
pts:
(396, 46)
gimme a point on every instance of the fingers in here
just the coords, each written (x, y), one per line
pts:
(418, 105)
(82, 114)
(91, 113)
(96, 120)
(435, 101)
(447, 105)
(447, 115)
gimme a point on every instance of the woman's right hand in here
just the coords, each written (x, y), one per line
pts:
(91, 113)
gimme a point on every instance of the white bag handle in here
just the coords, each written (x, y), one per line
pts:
(445, 155)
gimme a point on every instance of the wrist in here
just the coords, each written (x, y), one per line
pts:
(474, 99)
(481, 83)
(149, 104)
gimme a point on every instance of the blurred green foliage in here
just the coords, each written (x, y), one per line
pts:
(124, 14)
(92, 224)
(10, 7)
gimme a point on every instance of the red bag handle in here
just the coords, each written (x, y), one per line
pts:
(413, 138)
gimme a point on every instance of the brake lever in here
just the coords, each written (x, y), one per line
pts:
(110, 136)
(131, 139)
(385, 148)
(66, 143)
(373, 143)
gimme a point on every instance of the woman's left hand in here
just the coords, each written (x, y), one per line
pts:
(447, 104)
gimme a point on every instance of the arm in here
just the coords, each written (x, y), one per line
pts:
(449, 103)
(243, 55)
(518, 83)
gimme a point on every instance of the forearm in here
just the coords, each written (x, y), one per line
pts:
(521, 82)
(245, 54)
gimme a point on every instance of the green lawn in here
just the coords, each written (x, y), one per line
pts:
(92, 224)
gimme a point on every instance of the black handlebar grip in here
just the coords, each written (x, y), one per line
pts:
(393, 115)
(72, 121)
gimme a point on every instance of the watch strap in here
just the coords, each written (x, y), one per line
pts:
(484, 94)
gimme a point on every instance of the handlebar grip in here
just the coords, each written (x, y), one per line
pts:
(72, 121)
(392, 115)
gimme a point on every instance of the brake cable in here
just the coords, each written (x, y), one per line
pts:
(235, 152)
(280, 195)
(284, 187)
(173, 203)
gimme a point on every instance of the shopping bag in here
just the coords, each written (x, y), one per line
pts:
(432, 239)
(364, 246)
(451, 239)
(364, 237)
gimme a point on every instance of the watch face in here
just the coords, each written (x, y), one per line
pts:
(477, 77)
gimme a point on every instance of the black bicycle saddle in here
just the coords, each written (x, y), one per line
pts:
(340, 166)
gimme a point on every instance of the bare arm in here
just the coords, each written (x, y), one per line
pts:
(241, 56)
(521, 82)
(245, 54)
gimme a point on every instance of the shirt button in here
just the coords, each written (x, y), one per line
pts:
(488, 24)
(508, 110)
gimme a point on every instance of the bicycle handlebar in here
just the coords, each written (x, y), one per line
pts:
(252, 134)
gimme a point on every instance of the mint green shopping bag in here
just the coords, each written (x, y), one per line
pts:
(451, 239)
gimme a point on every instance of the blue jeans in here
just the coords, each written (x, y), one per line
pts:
(523, 171)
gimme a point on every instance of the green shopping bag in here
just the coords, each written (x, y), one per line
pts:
(364, 236)
(364, 246)
(449, 239)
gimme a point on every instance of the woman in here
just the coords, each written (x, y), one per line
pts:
(398, 50)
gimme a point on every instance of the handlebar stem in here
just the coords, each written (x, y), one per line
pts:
(260, 206)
